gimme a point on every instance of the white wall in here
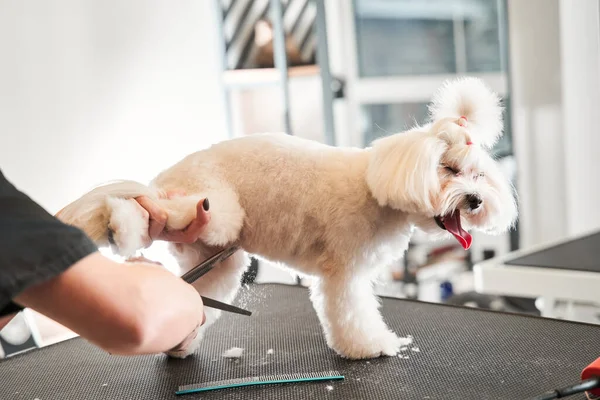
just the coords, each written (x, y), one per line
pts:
(92, 91)
(535, 64)
(555, 66)
(580, 55)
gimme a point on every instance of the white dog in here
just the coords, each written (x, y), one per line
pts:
(337, 214)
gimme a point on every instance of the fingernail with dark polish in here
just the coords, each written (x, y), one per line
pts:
(206, 205)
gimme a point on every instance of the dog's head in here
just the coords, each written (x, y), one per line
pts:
(441, 173)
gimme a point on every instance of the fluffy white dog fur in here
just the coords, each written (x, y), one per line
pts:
(337, 214)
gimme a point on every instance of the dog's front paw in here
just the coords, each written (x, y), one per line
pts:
(188, 347)
(364, 346)
(128, 227)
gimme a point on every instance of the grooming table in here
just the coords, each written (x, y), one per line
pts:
(566, 270)
(463, 354)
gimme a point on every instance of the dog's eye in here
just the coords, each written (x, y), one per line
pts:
(481, 174)
(451, 170)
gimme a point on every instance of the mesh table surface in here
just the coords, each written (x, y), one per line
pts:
(463, 354)
(580, 254)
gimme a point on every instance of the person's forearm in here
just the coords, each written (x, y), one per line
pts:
(124, 309)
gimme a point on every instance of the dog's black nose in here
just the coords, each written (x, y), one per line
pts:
(474, 201)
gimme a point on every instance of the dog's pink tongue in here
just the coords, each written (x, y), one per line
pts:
(452, 224)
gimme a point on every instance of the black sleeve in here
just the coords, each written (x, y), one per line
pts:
(34, 245)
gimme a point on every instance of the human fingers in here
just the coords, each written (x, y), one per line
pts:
(193, 231)
(157, 216)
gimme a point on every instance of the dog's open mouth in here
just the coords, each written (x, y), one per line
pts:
(451, 223)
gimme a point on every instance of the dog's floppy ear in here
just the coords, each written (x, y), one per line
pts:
(403, 171)
(472, 99)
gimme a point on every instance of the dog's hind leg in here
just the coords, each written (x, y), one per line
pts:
(349, 313)
(227, 217)
(226, 214)
(221, 283)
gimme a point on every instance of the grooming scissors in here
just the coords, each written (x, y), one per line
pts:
(199, 270)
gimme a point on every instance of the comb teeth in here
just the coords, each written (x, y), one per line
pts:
(260, 380)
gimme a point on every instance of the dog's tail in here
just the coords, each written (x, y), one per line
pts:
(91, 211)
(472, 99)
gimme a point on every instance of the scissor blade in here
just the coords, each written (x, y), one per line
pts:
(199, 270)
(223, 306)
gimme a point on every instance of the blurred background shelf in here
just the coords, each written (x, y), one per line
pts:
(258, 77)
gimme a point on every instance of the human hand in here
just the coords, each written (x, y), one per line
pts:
(142, 259)
(190, 343)
(157, 219)
(117, 308)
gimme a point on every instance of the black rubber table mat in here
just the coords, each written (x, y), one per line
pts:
(463, 354)
(581, 254)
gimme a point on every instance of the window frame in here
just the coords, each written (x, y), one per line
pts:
(362, 91)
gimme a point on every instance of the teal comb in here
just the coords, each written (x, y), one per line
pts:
(260, 380)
